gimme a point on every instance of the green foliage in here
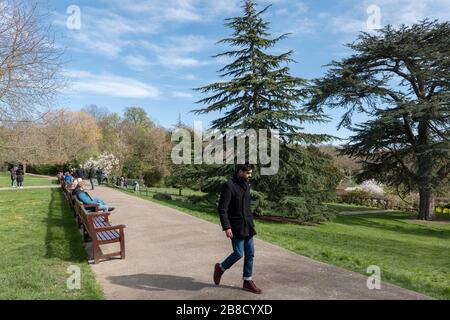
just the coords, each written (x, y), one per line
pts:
(152, 177)
(51, 169)
(400, 78)
(302, 209)
(259, 92)
(138, 117)
(259, 202)
(136, 141)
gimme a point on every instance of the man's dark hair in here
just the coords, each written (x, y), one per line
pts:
(244, 167)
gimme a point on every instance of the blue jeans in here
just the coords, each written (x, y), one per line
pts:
(92, 183)
(241, 248)
(102, 204)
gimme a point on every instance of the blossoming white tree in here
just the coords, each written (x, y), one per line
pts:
(106, 162)
(370, 186)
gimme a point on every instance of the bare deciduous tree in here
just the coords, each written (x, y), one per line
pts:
(30, 62)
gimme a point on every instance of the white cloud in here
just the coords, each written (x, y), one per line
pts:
(176, 52)
(183, 95)
(342, 24)
(398, 12)
(182, 14)
(178, 10)
(105, 32)
(303, 26)
(137, 62)
(177, 61)
(110, 85)
(394, 12)
(189, 77)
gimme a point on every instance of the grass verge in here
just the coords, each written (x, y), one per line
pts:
(40, 241)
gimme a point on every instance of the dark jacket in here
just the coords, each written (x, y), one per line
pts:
(76, 191)
(91, 174)
(235, 208)
(19, 174)
(80, 173)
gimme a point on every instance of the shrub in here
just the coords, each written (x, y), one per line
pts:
(152, 177)
(196, 199)
(162, 196)
(259, 202)
(47, 169)
(299, 208)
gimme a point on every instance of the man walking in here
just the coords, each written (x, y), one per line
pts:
(19, 176)
(80, 172)
(91, 174)
(13, 176)
(236, 218)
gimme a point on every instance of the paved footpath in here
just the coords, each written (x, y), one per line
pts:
(355, 213)
(170, 255)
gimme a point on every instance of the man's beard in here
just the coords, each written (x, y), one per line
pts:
(244, 179)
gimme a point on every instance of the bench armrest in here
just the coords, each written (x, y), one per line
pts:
(118, 227)
(100, 214)
(97, 214)
(91, 206)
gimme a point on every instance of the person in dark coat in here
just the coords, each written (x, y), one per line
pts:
(80, 172)
(91, 175)
(13, 176)
(74, 173)
(99, 175)
(236, 218)
(20, 176)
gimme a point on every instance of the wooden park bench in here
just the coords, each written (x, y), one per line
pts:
(96, 226)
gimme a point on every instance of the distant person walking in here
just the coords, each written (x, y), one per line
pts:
(91, 175)
(20, 177)
(236, 218)
(136, 186)
(13, 176)
(80, 172)
(99, 175)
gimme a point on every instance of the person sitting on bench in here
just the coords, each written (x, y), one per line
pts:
(85, 198)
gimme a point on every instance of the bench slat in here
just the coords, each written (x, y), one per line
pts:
(104, 236)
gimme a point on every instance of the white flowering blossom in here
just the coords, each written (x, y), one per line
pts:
(370, 186)
(106, 162)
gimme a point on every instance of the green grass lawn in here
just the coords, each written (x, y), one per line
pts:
(5, 180)
(39, 241)
(411, 254)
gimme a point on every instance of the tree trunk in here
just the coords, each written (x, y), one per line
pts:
(426, 205)
(425, 173)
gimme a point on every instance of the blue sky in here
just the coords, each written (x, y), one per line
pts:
(151, 53)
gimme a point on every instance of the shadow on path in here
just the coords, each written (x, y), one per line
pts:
(161, 282)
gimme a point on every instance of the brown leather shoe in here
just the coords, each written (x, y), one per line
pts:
(251, 286)
(217, 274)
